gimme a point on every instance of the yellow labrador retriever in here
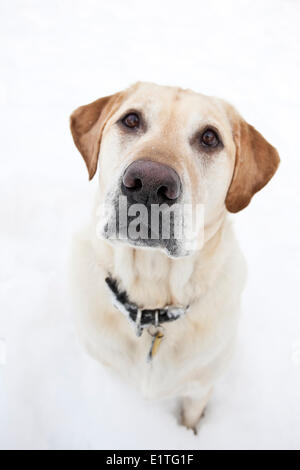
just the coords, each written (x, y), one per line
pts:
(157, 292)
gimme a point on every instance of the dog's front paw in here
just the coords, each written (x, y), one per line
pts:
(189, 423)
(193, 410)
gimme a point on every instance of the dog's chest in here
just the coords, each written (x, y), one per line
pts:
(159, 376)
(178, 357)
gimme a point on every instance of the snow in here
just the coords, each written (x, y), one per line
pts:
(58, 55)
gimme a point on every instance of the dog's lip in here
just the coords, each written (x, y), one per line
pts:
(171, 249)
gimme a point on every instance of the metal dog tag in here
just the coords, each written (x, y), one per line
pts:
(155, 343)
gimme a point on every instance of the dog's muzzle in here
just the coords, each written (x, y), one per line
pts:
(148, 208)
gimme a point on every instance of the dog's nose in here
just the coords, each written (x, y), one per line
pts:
(148, 182)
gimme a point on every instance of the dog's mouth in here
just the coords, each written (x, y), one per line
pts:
(145, 226)
(155, 226)
(171, 247)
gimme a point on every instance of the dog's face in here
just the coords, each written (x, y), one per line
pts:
(162, 151)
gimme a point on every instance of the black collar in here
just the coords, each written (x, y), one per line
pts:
(140, 317)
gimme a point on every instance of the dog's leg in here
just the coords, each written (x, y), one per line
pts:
(193, 408)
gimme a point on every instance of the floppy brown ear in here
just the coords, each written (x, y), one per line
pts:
(256, 161)
(87, 124)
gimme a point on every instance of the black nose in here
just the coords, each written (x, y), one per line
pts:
(148, 182)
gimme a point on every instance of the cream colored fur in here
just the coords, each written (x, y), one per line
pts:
(195, 349)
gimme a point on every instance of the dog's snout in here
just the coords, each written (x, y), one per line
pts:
(149, 182)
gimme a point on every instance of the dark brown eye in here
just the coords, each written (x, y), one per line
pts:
(209, 138)
(131, 120)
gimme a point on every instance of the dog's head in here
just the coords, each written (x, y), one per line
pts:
(161, 150)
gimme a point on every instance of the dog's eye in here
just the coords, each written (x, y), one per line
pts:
(131, 120)
(209, 138)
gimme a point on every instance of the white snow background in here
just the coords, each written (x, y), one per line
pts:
(58, 55)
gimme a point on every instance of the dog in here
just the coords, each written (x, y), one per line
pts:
(162, 311)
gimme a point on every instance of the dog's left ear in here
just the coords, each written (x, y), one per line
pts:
(87, 124)
(256, 161)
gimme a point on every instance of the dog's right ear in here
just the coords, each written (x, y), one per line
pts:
(87, 124)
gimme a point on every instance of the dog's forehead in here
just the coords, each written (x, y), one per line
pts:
(182, 105)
